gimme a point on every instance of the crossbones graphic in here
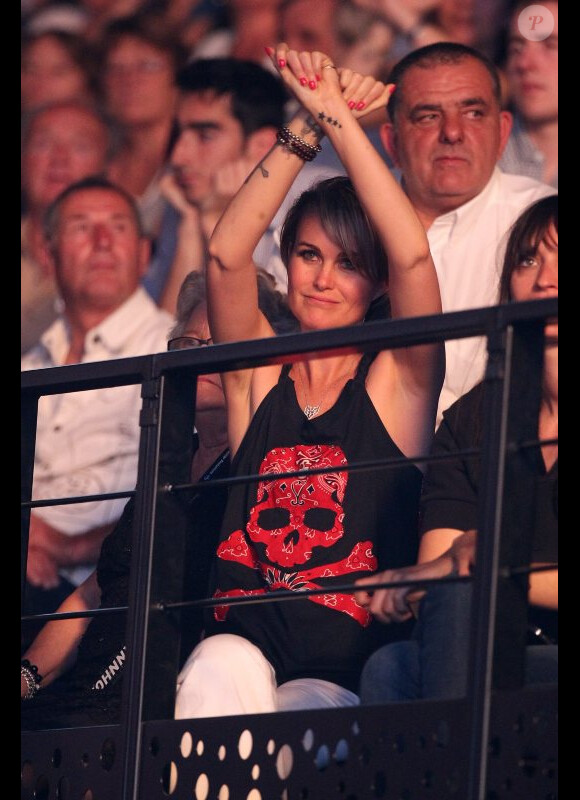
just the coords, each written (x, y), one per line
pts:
(292, 517)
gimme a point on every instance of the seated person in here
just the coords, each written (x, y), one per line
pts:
(434, 663)
(91, 651)
(343, 241)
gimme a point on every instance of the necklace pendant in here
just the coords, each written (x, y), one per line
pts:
(310, 411)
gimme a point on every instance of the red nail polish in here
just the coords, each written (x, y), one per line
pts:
(312, 84)
(318, 78)
(360, 105)
(351, 103)
(303, 81)
(268, 50)
(281, 62)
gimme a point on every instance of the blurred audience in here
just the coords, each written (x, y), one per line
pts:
(61, 143)
(532, 77)
(252, 25)
(56, 65)
(140, 58)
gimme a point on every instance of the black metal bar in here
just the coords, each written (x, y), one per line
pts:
(28, 414)
(220, 358)
(153, 583)
(139, 588)
(484, 590)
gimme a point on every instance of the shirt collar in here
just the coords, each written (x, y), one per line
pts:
(111, 334)
(468, 213)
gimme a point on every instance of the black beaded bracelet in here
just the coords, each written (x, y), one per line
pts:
(294, 144)
(33, 668)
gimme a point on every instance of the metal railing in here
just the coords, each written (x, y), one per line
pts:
(511, 400)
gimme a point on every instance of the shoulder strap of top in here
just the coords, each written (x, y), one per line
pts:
(364, 366)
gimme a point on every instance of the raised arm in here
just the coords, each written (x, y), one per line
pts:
(336, 104)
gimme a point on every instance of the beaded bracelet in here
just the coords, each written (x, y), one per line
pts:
(32, 677)
(294, 144)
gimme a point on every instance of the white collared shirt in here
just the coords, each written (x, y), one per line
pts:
(468, 246)
(87, 442)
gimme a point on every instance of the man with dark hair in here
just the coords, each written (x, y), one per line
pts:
(228, 115)
(446, 132)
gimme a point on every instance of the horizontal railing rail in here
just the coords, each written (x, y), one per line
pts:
(515, 341)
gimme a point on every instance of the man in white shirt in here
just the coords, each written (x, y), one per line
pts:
(87, 442)
(446, 133)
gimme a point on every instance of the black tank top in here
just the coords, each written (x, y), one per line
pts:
(314, 531)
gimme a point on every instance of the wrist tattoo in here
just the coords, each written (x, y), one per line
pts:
(330, 120)
(311, 126)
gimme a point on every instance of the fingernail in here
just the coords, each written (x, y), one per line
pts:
(281, 62)
(351, 103)
(303, 81)
(318, 78)
(268, 50)
(312, 84)
(360, 105)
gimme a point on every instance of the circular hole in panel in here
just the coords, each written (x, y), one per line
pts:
(322, 758)
(202, 787)
(270, 747)
(57, 758)
(254, 794)
(107, 754)
(255, 772)
(63, 789)
(200, 748)
(355, 728)
(42, 788)
(224, 793)
(169, 777)
(341, 751)
(284, 761)
(154, 746)
(27, 775)
(308, 740)
(245, 744)
(186, 744)
(222, 752)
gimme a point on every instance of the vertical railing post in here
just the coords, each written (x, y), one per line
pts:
(510, 416)
(165, 455)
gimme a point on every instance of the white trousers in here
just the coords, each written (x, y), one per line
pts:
(228, 675)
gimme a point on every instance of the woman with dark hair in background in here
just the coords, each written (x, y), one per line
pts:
(434, 663)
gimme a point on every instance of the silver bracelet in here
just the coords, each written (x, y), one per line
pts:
(32, 685)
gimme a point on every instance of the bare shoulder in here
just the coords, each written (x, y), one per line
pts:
(408, 415)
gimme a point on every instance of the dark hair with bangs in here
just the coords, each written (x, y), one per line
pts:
(525, 235)
(334, 202)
